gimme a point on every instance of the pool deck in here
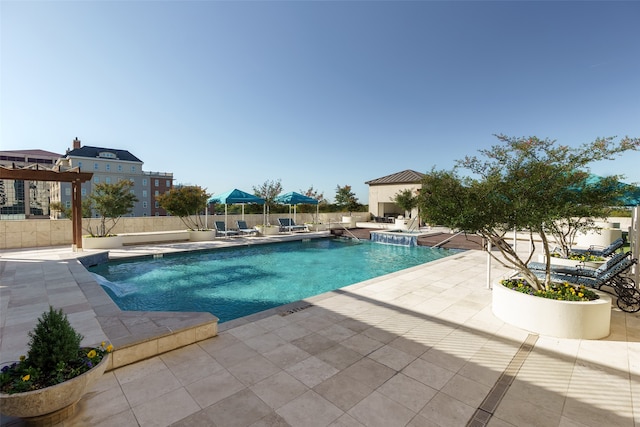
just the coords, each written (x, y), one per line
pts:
(419, 347)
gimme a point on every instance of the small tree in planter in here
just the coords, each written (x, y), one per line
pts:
(186, 202)
(111, 201)
(406, 200)
(528, 184)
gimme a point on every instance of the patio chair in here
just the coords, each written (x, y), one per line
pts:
(287, 224)
(600, 250)
(580, 270)
(624, 287)
(244, 230)
(221, 229)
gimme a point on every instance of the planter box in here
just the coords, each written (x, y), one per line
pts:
(268, 231)
(202, 235)
(317, 227)
(562, 319)
(110, 242)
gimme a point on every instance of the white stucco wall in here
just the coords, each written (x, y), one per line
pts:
(381, 198)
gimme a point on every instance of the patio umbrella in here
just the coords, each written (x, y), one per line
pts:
(233, 197)
(293, 199)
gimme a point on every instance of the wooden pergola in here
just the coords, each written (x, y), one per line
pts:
(74, 176)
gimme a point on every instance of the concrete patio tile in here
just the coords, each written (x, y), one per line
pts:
(292, 331)
(271, 420)
(339, 356)
(253, 370)
(272, 323)
(343, 391)
(409, 346)
(519, 412)
(234, 354)
(309, 410)
(278, 389)
(197, 419)
(445, 410)
(336, 332)
(218, 342)
(467, 391)
(286, 355)
(165, 409)
(214, 388)
(247, 331)
(346, 420)
(265, 342)
(428, 373)
(442, 358)
(369, 372)
(377, 410)
(420, 421)
(241, 409)
(149, 387)
(126, 418)
(312, 371)
(392, 357)
(408, 392)
(362, 344)
(314, 343)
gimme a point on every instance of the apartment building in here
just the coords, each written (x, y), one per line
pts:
(20, 199)
(110, 165)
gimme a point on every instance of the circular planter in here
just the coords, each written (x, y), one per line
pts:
(109, 242)
(51, 405)
(562, 319)
(202, 235)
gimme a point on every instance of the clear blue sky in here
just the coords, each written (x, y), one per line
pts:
(231, 94)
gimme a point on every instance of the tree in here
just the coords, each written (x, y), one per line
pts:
(268, 191)
(346, 199)
(406, 200)
(68, 212)
(111, 201)
(527, 184)
(314, 194)
(187, 203)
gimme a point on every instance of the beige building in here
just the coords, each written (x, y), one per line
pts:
(383, 190)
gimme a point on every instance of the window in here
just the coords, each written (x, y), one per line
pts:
(84, 192)
(119, 168)
(67, 191)
(144, 204)
(157, 213)
(157, 204)
(144, 193)
(108, 180)
(80, 165)
(67, 203)
(156, 193)
(168, 183)
(157, 182)
(132, 191)
(96, 180)
(96, 167)
(107, 167)
(133, 168)
(144, 182)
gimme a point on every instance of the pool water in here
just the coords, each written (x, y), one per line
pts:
(235, 282)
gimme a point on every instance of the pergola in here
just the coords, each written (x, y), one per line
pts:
(74, 176)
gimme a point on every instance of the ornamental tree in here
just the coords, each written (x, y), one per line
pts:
(186, 202)
(406, 200)
(528, 184)
(346, 199)
(111, 201)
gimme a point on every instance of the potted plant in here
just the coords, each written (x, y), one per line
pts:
(187, 202)
(530, 185)
(47, 383)
(110, 202)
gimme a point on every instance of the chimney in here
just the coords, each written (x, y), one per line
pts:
(76, 143)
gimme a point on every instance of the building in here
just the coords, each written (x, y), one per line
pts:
(111, 165)
(25, 199)
(383, 190)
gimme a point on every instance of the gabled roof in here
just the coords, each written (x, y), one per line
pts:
(34, 153)
(405, 177)
(94, 153)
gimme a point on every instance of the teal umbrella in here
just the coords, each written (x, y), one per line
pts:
(292, 199)
(233, 197)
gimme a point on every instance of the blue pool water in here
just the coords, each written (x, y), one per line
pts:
(235, 282)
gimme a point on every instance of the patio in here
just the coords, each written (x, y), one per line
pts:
(419, 347)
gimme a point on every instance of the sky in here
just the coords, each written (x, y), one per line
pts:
(231, 94)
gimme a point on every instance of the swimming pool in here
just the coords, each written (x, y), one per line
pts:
(235, 282)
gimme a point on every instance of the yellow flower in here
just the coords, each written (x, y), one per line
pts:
(103, 344)
(109, 348)
(22, 357)
(26, 377)
(91, 354)
(580, 294)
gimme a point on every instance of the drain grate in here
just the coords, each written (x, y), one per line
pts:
(295, 310)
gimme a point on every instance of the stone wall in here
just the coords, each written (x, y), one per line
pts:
(33, 233)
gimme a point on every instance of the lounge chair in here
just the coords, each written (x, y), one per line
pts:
(221, 229)
(624, 287)
(580, 270)
(600, 250)
(244, 230)
(287, 224)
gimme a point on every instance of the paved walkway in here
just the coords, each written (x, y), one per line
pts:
(418, 347)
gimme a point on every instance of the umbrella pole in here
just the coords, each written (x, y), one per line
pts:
(225, 218)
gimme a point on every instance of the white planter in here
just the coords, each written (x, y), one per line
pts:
(316, 227)
(603, 237)
(562, 319)
(267, 231)
(202, 235)
(109, 242)
(571, 262)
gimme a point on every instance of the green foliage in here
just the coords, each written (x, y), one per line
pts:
(186, 202)
(52, 341)
(268, 191)
(406, 200)
(527, 184)
(68, 212)
(558, 291)
(346, 199)
(111, 201)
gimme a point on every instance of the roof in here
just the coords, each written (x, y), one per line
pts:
(93, 152)
(405, 177)
(33, 153)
